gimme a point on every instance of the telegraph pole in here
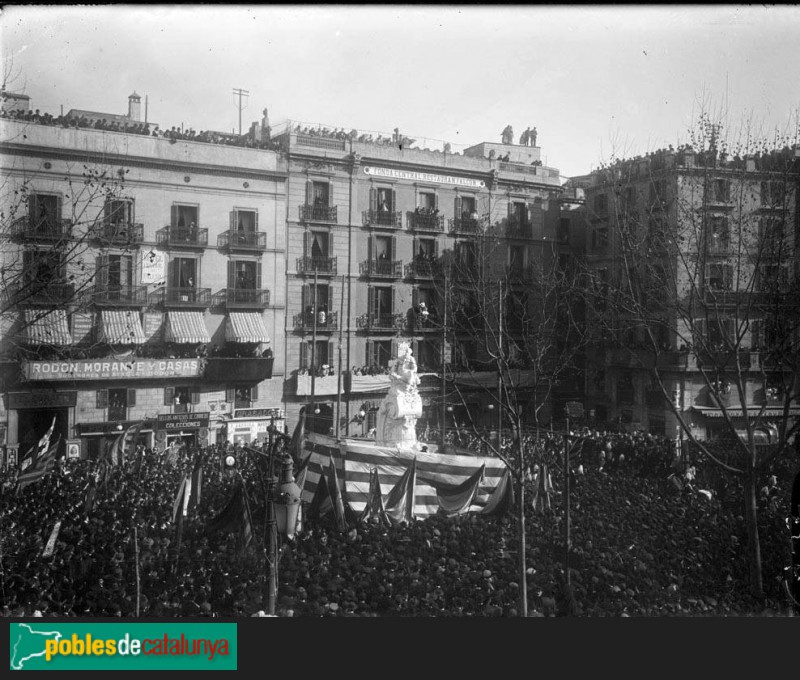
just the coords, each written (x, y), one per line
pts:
(237, 92)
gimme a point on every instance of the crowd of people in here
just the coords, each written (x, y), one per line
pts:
(641, 546)
(138, 128)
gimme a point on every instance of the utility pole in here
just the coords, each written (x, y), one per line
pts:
(237, 92)
(443, 391)
(314, 306)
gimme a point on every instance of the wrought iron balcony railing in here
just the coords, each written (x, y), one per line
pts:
(422, 222)
(243, 240)
(427, 324)
(325, 321)
(517, 228)
(118, 234)
(420, 268)
(242, 298)
(46, 229)
(41, 293)
(465, 225)
(318, 213)
(392, 269)
(182, 297)
(380, 322)
(120, 295)
(383, 218)
(321, 265)
(192, 237)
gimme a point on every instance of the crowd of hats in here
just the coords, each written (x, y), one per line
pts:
(640, 546)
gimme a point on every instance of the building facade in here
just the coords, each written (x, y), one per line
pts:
(144, 280)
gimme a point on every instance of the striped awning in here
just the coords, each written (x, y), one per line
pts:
(246, 327)
(121, 327)
(186, 327)
(752, 410)
(46, 327)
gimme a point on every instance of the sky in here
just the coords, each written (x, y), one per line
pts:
(596, 82)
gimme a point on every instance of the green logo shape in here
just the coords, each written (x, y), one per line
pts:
(52, 645)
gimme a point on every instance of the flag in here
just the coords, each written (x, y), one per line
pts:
(374, 507)
(124, 445)
(328, 498)
(298, 436)
(235, 516)
(51, 542)
(178, 502)
(43, 464)
(91, 494)
(456, 500)
(400, 501)
(35, 451)
(197, 481)
(542, 489)
(502, 499)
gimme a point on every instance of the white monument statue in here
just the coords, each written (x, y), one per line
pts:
(402, 405)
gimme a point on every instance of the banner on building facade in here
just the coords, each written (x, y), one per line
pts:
(423, 177)
(113, 370)
(153, 266)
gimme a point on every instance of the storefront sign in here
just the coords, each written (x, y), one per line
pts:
(423, 177)
(42, 399)
(258, 413)
(183, 421)
(113, 370)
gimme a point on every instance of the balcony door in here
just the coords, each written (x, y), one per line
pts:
(183, 272)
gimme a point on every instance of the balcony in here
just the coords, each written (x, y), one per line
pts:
(385, 269)
(32, 229)
(326, 266)
(318, 213)
(325, 322)
(245, 370)
(117, 413)
(465, 225)
(386, 219)
(380, 322)
(239, 298)
(326, 385)
(421, 222)
(422, 269)
(41, 293)
(520, 272)
(115, 296)
(429, 324)
(719, 246)
(243, 240)
(182, 237)
(192, 298)
(118, 234)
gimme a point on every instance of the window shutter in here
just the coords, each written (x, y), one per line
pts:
(393, 206)
(393, 301)
(230, 394)
(393, 249)
(107, 214)
(373, 199)
(306, 244)
(33, 213)
(415, 350)
(305, 297)
(370, 353)
(371, 249)
(303, 355)
(436, 247)
(330, 299)
(233, 225)
(101, 271)
(393, 350)
(309, 192)
(101, 399)
(169, 396)
(258, 275)
(254, 393)
(231, 274)
(194, 393)
(330, 194)
(371, 298)
(131, 397)
(457, 208)
(436, 201)
(329, 251)
(330, 357)
(414, 248)
(174, 216)
(415, 298)
(173, 273)
(59, 208)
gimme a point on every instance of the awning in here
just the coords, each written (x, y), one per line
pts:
(186, 327)
(121, 327)
(245, 327)
(752, 411)
(46, 327)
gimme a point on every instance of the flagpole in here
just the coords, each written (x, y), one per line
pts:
(138, 582)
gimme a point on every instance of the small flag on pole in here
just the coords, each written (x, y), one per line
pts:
(51, 542)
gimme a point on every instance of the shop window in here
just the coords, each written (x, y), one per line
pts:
(181, 397)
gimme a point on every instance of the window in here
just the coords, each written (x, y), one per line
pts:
(120, 272)
(658, 191)
(601, 204)
(185, 216)
(382, 248)
(563, 230)
(773, 193)
(381, 298)
(600, 237)
(468, 210)
(517, 258)
(243, 396)
(245, 275)
(718, 234)
(427, 201)
(429, 356)
(772, 232)
(318, 244)
(45, 212)
(721, 333)
(317, 298)
(180, 398)
(43, 267)
(117, 401)
(183, 272)
(322, 356)
(320, 194)
(379, 353)
(426, 249)
(720, 191)
(385, 200)
(464, 354)
(773, 277)
(719, 277)
(118, 211)
(244, 221)
(466, 255)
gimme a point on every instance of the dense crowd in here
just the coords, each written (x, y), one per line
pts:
(641, 544)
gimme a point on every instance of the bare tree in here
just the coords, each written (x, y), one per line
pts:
(694, 287)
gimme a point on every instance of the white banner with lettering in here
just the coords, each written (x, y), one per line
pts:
(423, 177)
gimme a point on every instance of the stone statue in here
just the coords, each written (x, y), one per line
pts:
(508, 135)
(397, 415)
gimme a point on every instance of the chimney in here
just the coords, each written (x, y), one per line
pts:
(135, 107)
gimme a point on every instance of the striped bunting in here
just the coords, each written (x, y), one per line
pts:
(355, 460)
